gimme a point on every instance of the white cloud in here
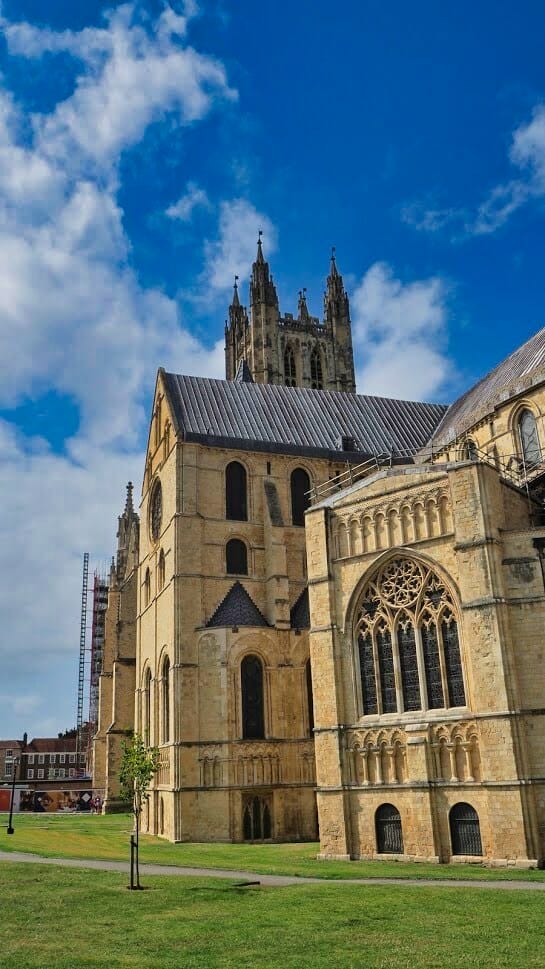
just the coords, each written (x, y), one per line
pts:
(74, 318)
(193, 198)
(399, 331)
(234, 248)
(527, 153)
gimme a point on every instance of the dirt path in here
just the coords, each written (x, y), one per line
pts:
(270, 881)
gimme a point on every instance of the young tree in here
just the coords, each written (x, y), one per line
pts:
(138, 766)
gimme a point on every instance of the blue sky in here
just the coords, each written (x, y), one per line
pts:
(142, 145)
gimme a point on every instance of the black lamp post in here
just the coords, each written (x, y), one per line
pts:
(16, 762)
(11, 829)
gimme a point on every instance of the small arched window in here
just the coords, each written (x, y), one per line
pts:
(147, 588)
(165, 700)
(253, 714)
(146, 708)
(290, 375)
(529, 439)
(236, 503)
(161, 570)
(465, 830)
(236, 556)
(316, 371)
(300, 498)
(388, 830)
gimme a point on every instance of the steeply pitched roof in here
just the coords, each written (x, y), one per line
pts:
(243, 374)
(300, 612)
(520, 370)
(237, 609)
(295, 420)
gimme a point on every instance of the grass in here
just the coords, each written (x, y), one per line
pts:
(56, 918)
(106, 837)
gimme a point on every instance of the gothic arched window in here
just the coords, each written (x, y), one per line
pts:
(165, 700)
(146, 708)
(407, 641)
(253, 713)
(290, 374)
(316, 371)
(236, 504)
(256, 819)
(529, 438)
(236, 557)
(147, 587)
(300, 499)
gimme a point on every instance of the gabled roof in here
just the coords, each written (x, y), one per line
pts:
(522, 369)
(300, 612)
(295, 420)
(237, 609)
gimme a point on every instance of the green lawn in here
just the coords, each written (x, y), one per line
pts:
(66, 919)
(82, 836)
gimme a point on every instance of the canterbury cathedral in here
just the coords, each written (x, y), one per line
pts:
(328, 611)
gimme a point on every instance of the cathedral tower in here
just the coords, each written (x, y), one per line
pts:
(295, 351)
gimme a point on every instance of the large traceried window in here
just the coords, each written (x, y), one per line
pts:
(407, 641)
(316, 371)
(236, 503)
(290, 373)
(529, 438)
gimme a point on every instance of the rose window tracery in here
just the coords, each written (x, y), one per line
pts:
(407, 641)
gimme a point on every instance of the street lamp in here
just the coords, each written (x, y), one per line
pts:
(11, 829)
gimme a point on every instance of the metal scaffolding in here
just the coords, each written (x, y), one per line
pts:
(80, 741)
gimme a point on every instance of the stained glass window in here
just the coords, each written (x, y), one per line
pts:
(432, 665)
(367, 671)
(410, 684)
(453, 663)
(388, 694)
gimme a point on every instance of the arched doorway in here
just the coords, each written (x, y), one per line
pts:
(465, 830)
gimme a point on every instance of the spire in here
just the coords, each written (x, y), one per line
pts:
(236, 301)
(129, 507)
(302, 308)
(262, 288)
(335, 298)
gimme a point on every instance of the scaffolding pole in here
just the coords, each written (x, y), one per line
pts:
(81, 674)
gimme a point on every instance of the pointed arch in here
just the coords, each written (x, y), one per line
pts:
(528, 438)
(253, 700)
(316, 369)
(165, 700)
(290, 372)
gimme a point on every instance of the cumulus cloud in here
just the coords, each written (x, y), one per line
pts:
(75, 319)
(234, 248)
(526, 153)
(399, 332)
(193, 198)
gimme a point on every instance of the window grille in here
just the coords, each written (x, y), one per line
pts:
(465, 831)
(388, 830)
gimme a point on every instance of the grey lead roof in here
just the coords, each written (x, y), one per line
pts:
(520, 370)
(270, 417)
(237, 609)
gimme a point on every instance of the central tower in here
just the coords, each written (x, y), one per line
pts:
(295, 351)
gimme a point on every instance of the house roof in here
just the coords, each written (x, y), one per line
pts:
(519, 371)
(51, 745)
(295, 420)
(237, 609)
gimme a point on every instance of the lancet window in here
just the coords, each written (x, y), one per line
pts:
(300, 498)
(407, 641)
(165, 696)
(290, 373)
(316, 371)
